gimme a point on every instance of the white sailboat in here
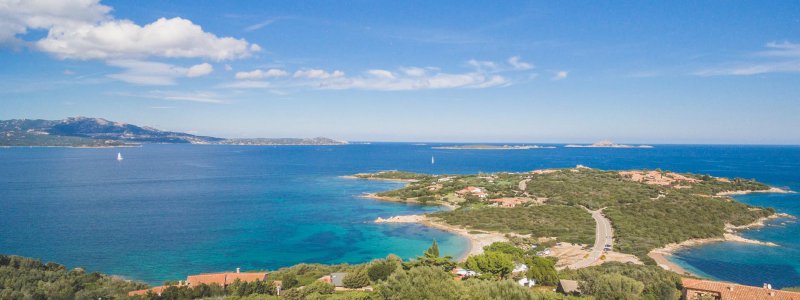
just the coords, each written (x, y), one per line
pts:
(119, 156)
(433, 161)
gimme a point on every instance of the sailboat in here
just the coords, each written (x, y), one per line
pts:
(119, 156)
(433, 161)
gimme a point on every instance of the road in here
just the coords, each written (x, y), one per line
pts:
(604, 235)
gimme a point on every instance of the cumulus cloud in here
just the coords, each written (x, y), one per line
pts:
(560, 75)
(259, 74)
(778, 57)
(517, 63)
(84, 29)
(200, 70)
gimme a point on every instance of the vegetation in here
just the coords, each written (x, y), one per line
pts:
(542, 270)
(656, 283)
(644, 216)
(567, 223)
(25, 278)
(356, 279)
(491, 264)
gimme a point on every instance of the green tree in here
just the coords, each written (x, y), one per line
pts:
(433, 251)
(542, 270)
(497, 264)
(506, 248)
(379, 270)
(356, 279)
(289, 280)
(420, 283)
(613, 286)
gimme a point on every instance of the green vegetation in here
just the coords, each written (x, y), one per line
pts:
(615, 280)
(567, 223)
(543, 270)
(356, 279)
(393, 175)
(491, 264)
(25, 278)
(644, 216)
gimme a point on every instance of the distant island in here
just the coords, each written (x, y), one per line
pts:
(97, 132)
(492, 147)
(607, 144)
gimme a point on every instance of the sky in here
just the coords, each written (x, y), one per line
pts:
(676, 72)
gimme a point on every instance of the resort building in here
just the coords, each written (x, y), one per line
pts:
(336, 279)
(509, 202)
(696, 289)
(526, 282)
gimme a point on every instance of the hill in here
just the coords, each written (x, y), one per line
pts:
(98, 132)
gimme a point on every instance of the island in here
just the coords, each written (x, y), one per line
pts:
(492, 147)
(82, 132)
(606, 144)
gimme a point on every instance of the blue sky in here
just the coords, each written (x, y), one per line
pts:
(635, 72)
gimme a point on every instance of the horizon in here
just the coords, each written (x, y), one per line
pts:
(681, 73)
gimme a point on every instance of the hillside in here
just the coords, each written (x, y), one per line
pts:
(98, 132)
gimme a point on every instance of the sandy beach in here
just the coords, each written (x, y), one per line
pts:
(770, 190)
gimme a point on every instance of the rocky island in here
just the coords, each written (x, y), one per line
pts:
(607, 144)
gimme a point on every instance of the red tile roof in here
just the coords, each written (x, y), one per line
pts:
(225, 278)
(732, 291)
(156, 290)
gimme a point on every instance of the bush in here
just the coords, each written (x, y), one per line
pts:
(357, 279)
(491, 264)
(542, 270)
(380, 270)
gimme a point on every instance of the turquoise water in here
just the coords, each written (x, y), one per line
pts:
(171, 210)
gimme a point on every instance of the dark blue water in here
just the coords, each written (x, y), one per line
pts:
(171, 210)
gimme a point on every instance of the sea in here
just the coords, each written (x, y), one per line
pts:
(168, 211)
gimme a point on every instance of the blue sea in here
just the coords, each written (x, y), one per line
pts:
(167, 211)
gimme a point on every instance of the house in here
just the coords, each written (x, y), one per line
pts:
(223, 279)
(568, 287)
(336, 279)
(471, 190)
(526, 282)
(461, 273)
(696, 288)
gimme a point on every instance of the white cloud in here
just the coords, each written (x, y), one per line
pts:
(560, 75)
(228, 67)
(779, 57)
(482, 65)
(381, 74)
(258, 74)
(200, 70)
(318, 74)
(517, 63)
(414, 71)
(197, 96)
(155, 73)
(247, 84)
(84, 29)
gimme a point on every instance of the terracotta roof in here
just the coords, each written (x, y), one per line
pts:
(224, 278)
(732, 291)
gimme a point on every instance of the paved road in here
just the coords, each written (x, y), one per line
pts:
(604, 235)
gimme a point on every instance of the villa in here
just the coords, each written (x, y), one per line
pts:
(471, 190)
(509, 202)
(696, 288)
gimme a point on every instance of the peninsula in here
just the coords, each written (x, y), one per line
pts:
(97, 132)
(567, 209)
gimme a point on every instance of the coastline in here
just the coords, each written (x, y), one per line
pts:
(477, 241)
(661, 255)
(771, 190)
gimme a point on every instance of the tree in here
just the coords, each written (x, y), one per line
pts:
(289, 280)
(380, 270)
(420, 283)
(542, 270)
(613, 286)
(433, 251)
(494, 263)
(506, 248)
(356, 279)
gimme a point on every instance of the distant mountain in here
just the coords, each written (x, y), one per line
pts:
(97, 132)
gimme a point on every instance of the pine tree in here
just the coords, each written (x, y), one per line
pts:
(433, 251)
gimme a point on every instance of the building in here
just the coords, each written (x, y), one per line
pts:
(509, 202)
(568, 287)
(526, 282)
(222, 279)
(336, 279)
(471, 190)
(696, 288)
